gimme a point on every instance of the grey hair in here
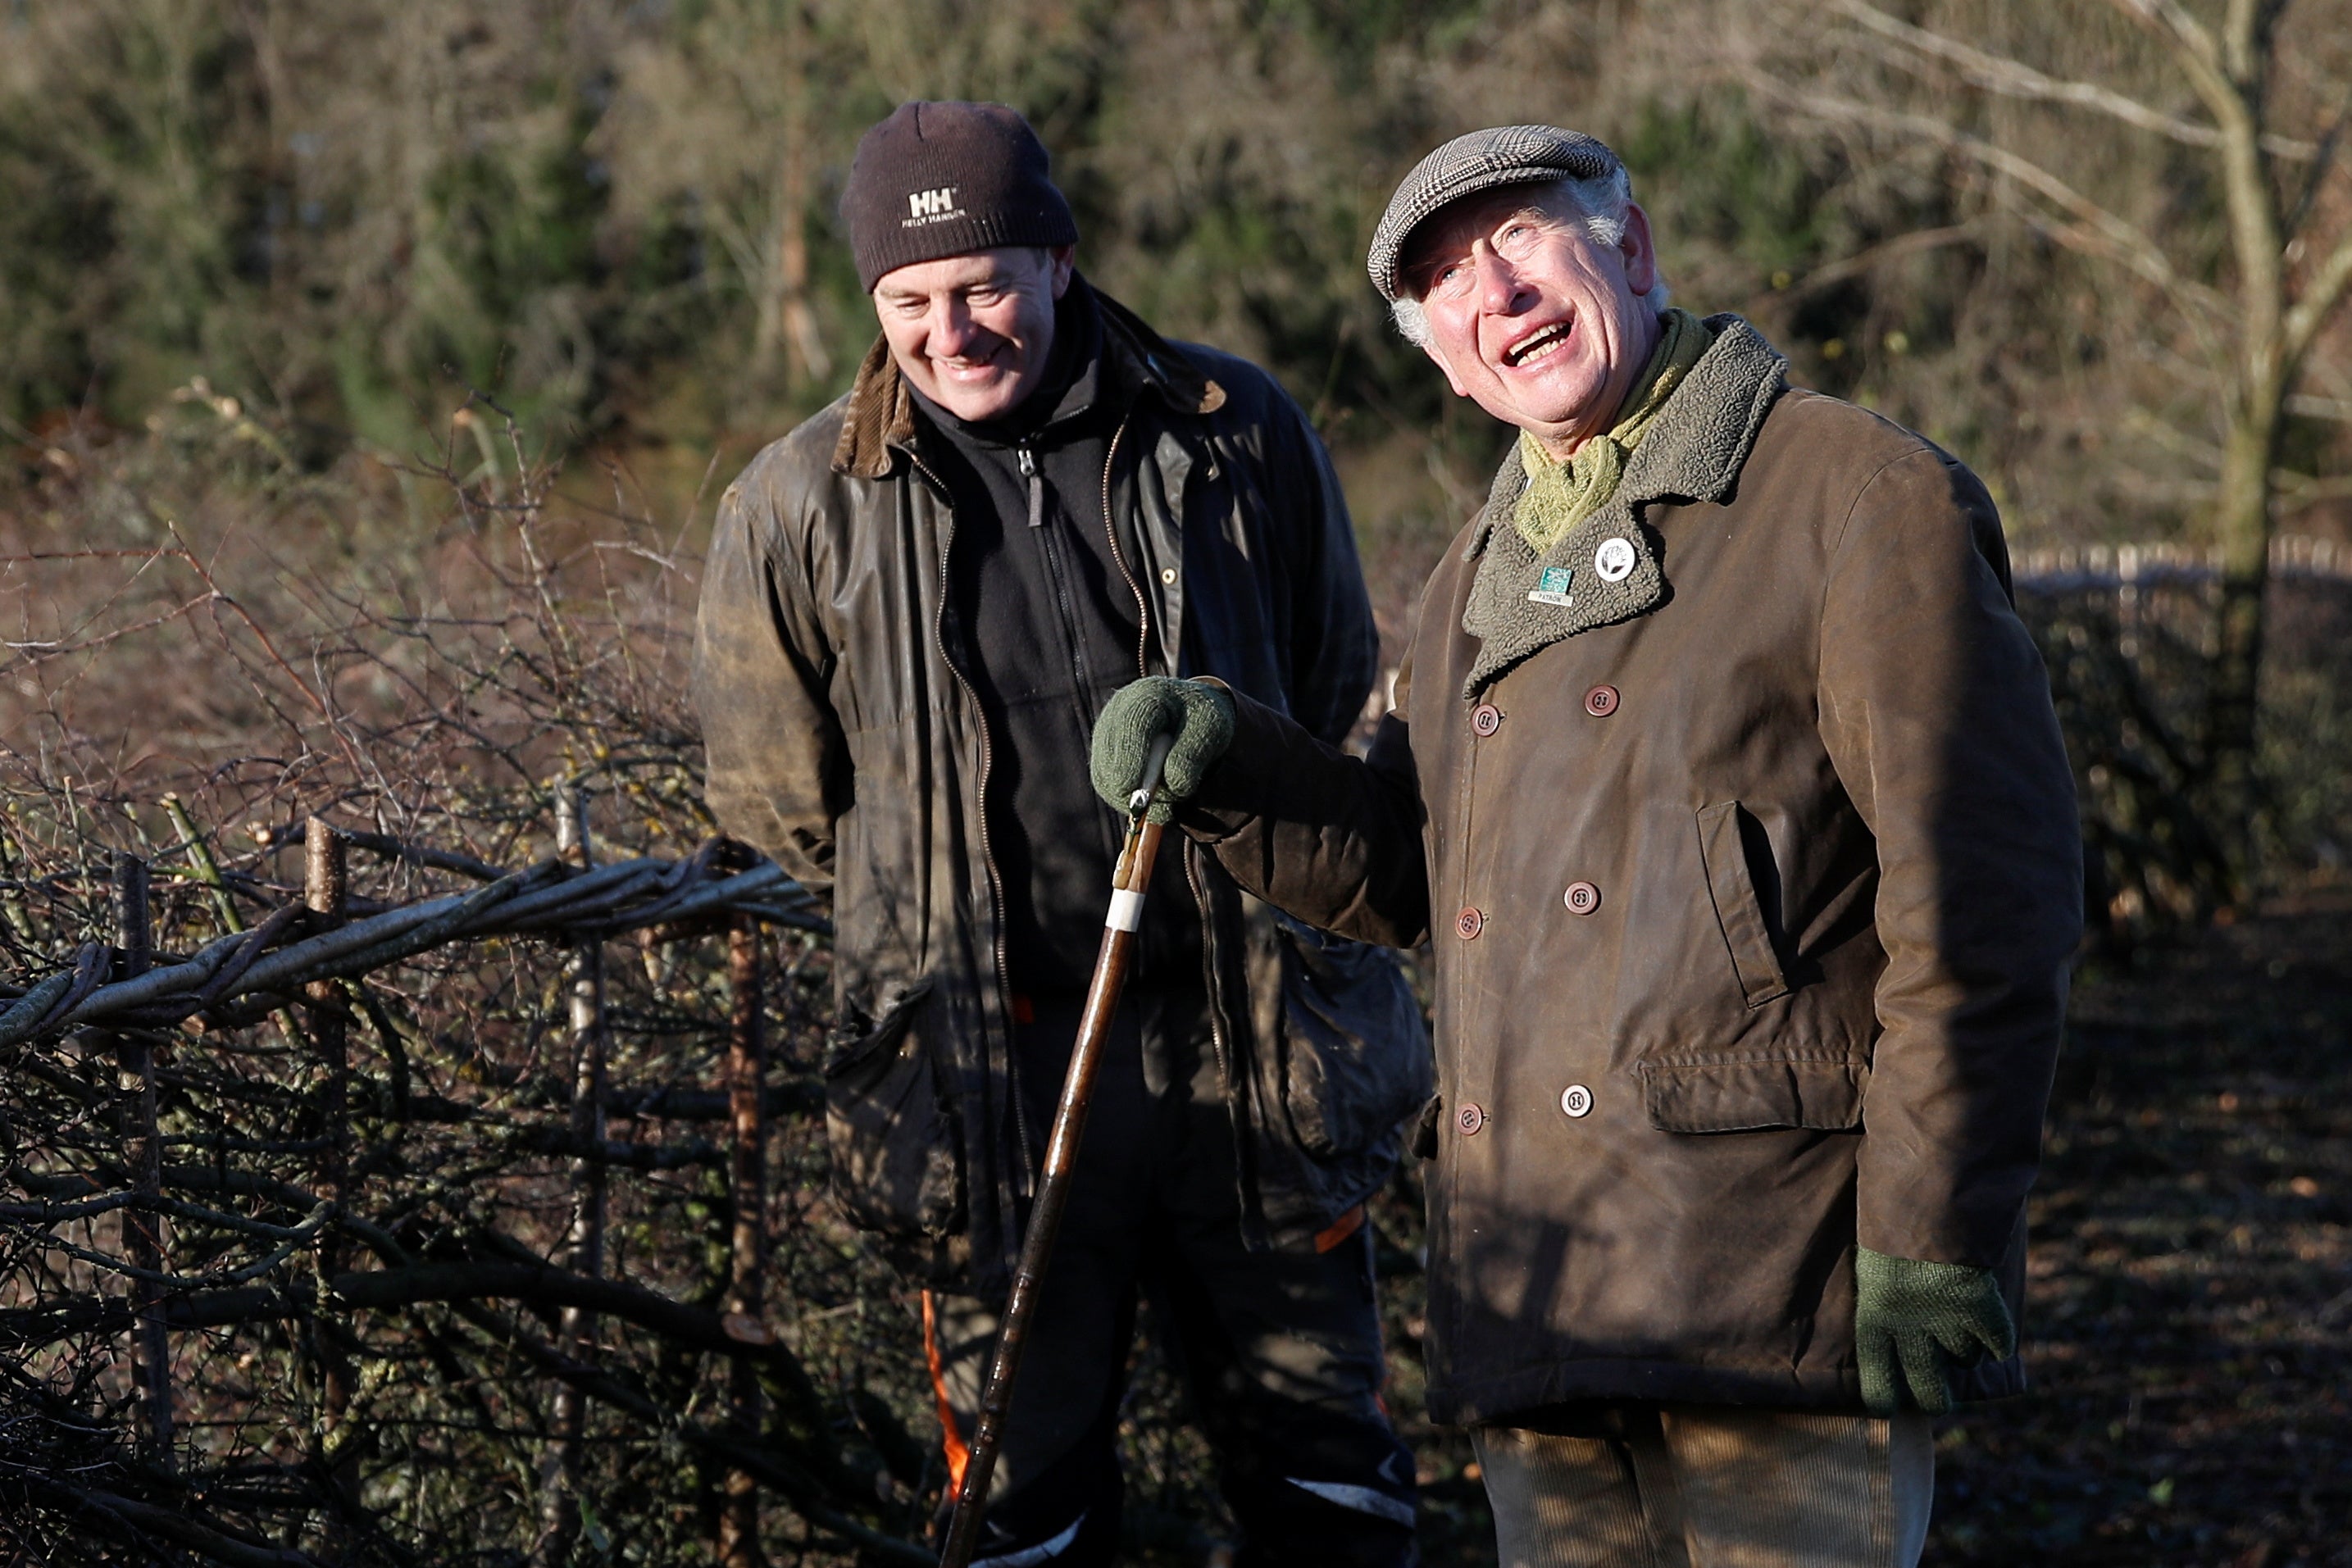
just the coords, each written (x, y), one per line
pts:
(1601, 200)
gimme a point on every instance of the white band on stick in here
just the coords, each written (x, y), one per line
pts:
(1125, 910)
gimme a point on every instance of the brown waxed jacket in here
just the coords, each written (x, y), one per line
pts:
(1747, 848)
(843, 739)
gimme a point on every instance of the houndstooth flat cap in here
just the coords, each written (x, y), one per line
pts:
(1503, 155)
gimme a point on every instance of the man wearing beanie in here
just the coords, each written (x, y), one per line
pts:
(1725, 781)
(915, 605)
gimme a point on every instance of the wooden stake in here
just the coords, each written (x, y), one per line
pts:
(585, 1240)
(326, 887)
(143, 1229)
(747, 1063)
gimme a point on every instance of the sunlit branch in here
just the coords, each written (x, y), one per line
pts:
(2014, 79)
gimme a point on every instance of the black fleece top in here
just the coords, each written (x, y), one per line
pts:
(1050, 627)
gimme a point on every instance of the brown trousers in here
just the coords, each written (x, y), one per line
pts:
(1681, 1486)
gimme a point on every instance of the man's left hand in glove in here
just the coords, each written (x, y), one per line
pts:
(1914, 1321)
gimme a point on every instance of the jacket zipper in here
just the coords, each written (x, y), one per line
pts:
(987, 850)
(1110, 528)
(1073, 641)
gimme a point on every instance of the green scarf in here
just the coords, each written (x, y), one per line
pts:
(1561, 495)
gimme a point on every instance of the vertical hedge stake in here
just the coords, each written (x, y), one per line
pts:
(1129, 881)
(151, 1359)
(576, 1330)
(325, 891)
(747, 1063)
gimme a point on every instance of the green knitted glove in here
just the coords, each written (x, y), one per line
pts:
(1201, 718)
(1914, 1321)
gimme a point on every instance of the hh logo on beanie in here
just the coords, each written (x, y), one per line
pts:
(931, 207)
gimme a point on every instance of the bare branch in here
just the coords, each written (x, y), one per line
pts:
(2099, 231)
(2014, 79)
(2200, 60)
(2246, 32)
(804, 1491)
(138, 1519)
(2323, 160)
(2165, 19)
(1835, 272)
(2310, 406)
(2297, 490)
(2226, 76)
(2318, 300)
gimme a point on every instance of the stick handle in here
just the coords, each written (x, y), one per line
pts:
(1154, 765)
(1111, 965)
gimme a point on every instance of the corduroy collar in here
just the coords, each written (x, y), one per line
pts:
(880, 415)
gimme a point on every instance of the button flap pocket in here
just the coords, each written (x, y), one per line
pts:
(1723, 831)
(1749, 1096)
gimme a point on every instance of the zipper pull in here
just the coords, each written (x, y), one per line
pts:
(1028, 460)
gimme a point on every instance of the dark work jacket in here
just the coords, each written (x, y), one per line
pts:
(1043, 620)
(1741, 826)
(844, 739)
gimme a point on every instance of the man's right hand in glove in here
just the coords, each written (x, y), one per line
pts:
(1198, 715)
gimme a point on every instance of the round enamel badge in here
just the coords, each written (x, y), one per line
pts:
(1613, 562)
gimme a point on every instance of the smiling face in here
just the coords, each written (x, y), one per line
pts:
(973, 332)
(1530, 315)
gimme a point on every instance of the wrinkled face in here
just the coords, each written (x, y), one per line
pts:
(972, 332)
(1529, 316)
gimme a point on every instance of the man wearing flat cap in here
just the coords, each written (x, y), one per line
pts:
(915, 605)
(1725, 783)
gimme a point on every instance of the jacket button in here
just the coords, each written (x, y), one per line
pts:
(1576, 1100)
(1600, 701)
(1468, 924)
(1168, 575)
(1582, 898)
(1486, 719)
(1470, 1118)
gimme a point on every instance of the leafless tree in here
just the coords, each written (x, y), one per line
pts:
(2197, 155)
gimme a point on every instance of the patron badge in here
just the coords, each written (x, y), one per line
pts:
(1553, 588)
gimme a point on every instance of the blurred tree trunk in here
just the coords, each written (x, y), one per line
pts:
(787, 326)
(2231, 72)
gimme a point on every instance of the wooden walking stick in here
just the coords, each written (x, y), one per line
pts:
(1127, 882)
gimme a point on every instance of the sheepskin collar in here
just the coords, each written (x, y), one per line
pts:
(1610, 567)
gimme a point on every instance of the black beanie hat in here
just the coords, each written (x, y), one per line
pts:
(943, 179)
